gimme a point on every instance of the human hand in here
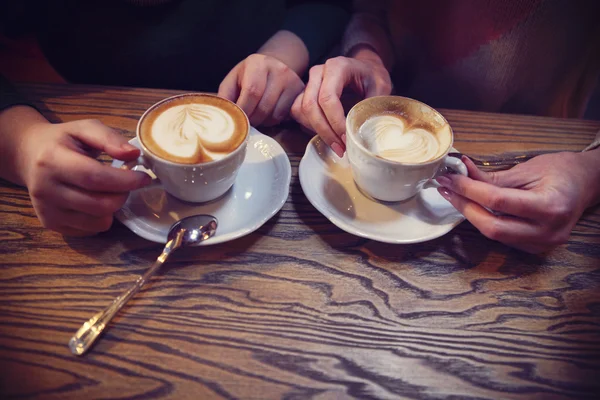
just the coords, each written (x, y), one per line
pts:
(71, 192)
(319, 107)
(533, 206)
(263, 87)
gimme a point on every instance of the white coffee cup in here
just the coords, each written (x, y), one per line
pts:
(196, 183)
(389, 180)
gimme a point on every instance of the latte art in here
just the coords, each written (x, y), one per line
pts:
(388, 137)
(194, 129)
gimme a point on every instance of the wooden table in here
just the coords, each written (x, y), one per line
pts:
(301, 309)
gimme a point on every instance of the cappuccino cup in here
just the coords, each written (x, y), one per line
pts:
(194, 144)
(396, 146)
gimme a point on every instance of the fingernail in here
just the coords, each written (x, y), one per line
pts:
(344, 138)
(128, 147)
(445, 193)
(444, 181)
(338, 150)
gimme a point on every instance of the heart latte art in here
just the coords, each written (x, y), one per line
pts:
(194, 132)
(389, 137)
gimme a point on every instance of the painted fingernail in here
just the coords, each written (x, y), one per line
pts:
(128, 147)
(344, 138)
(338, 150)
(444, 181)
(445, 193)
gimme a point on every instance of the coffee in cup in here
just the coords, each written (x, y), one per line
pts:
(194, 143)
(395, 145)
(193, 129)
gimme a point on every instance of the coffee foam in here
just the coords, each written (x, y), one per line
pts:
(406, 118)
(194, 129)
(390, 137)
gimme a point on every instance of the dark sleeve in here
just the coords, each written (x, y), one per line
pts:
(9, 96)
(21, 17)
(320, 24)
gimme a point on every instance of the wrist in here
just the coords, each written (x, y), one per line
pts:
(288, 48)
(17, 127)
(591, 166)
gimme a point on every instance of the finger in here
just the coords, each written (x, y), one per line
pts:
(377, 86)
(229, 88)
(474, 172)
(268, 101)
(297, 113)
(253, 86)
(510, 178)
(70, 222)
(100, 137)
(517, 202)
(86, 173)
(92, 203)
(313, 112)
(284, 104)
(508, 230)
(497, 178)
(329, 99)
(87, 223)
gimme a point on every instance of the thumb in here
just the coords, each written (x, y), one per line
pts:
(376, 82)
(497, 178)
(100, 137)
(373, 89)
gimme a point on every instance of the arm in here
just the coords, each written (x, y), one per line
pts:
(363, 69)
(71, 192)
(18, 120)
(367, 32)
(288, 48)
(266, 83)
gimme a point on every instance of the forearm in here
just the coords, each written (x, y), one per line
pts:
(318, 24)
(368, 29)
(591, 162)
(15, 123)
(288, 48)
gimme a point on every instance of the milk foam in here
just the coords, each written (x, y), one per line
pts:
(189, 129)
(388, 137)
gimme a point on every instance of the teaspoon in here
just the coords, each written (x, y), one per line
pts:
(189, 231)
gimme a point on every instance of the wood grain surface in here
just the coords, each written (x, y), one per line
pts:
(300, 309)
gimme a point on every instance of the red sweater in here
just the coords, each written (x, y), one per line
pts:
(522, 56)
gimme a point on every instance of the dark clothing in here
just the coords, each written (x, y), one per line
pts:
(182, 44)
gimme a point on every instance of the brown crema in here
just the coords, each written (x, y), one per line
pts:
(206, 150)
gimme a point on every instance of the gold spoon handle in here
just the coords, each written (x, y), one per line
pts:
(91, 330)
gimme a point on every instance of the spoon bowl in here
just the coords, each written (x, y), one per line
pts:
(195, 229)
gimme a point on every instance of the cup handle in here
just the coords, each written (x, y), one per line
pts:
(450, 164)
(140, 161)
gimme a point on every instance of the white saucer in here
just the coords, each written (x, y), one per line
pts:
(260, 190)
(327, 182)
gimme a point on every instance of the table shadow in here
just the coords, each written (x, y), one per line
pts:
(463, 248)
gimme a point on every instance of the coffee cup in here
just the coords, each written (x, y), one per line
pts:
(194, 144)
(396, 146)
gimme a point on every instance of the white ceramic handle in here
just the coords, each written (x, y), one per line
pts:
(449, 164)
(140, 161)
(454, 164)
